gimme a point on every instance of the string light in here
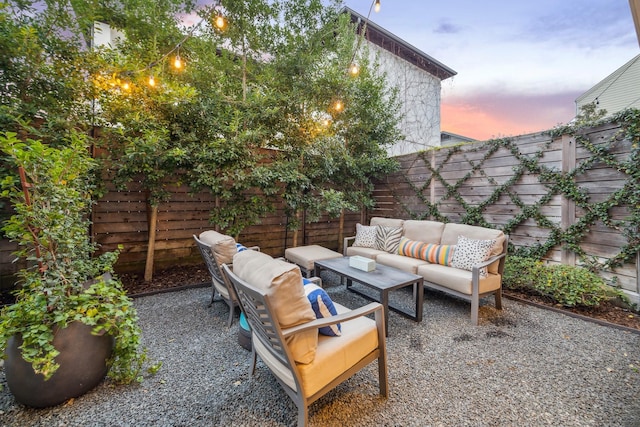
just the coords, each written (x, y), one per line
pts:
(152, 81)
(220, 22)
(177, 63)
(354, 69)
(338, 106)
(377, 6)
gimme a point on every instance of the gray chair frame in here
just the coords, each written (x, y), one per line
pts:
(219, 281)
(265, 328)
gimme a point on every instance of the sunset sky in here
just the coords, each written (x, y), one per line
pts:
(520, 64)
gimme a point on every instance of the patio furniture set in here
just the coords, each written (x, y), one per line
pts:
(312, 344)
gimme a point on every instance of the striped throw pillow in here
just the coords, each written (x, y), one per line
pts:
(388, 239)
(435, 254)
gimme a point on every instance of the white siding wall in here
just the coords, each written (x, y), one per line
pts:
(619, 91)
(419, 94)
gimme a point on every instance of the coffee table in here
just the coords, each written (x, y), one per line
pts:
(383, 279)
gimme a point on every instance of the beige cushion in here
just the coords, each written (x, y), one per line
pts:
(306, 255)
(456, 279)
(282, 282)
(423, 231)
(223, 246)
(333, 355)
(400, 262)
(365, 252)
(387, 222)
(452, 231)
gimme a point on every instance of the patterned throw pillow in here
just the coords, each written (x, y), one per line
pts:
(435, 254)
(388, 239)
(322, 307)
(470, 252)
(365, 236)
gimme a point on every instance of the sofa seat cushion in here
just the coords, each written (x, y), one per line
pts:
(282, 282)
(400, 262)
(365, 252)
(452, 231)
(359, 338)
(423, 230)
(457, 279)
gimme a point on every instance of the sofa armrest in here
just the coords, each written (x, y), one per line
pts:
(490, 261)
(348, 241)
(373, 307)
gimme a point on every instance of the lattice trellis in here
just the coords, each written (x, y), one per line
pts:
(614, 149)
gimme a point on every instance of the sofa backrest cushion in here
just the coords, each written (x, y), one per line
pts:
(223, 246)
(424, 231)
(452, 231)
(282, 282)
(387, 222)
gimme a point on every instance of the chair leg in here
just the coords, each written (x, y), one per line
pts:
(253, 360)
(498, 296)
(303, 415)
(213, 294)
(232, 310)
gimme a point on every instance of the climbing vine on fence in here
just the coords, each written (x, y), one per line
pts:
(554, 182)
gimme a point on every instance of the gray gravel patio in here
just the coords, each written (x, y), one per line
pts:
(524, 366)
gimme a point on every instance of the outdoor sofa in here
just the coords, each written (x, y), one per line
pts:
(462, 260)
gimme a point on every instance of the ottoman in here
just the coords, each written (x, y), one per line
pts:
(305, 256)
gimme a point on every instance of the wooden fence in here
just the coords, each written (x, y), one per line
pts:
(504, 184)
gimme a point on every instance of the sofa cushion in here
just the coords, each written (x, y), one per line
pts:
(282, 282)
(456, 279)
(223, 246)
(322, 306)
(387, 222)
(365, 252)
(400, 262)
(452, 231)
(365, 236)
(423, 231)
(388, 238)
(470, 252)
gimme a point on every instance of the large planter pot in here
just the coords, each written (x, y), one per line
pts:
(82, 362)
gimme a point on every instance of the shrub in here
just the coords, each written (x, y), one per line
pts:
(567, 285)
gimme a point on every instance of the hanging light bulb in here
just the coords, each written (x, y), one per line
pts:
(377, 6)
(126, 86)
(354, 69)
(177, 62)
(152, 81)
(220, 22)
(338, 106)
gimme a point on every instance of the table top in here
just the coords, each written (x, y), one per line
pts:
(382, 277)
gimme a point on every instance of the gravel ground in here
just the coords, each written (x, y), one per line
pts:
(523, 366)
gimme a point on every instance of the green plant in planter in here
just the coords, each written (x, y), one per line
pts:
(50, 224)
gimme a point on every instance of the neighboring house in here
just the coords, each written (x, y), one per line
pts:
(448, 138)
(418, 78)
(104, 35)
(619, 91)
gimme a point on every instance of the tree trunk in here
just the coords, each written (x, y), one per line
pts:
(148, 268)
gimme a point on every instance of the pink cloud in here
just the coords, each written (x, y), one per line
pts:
(488, 115)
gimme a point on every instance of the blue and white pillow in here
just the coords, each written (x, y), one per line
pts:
(322, 307)
(240, 247)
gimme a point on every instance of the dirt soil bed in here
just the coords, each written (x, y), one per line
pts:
(198, 275)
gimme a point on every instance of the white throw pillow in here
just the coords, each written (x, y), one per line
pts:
(470, 252)
(365, 236)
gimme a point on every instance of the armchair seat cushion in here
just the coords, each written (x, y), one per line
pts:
(366, 252)
(334, 355)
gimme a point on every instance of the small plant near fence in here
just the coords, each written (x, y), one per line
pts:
(569, 286)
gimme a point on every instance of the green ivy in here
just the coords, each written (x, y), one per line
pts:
(558, 183)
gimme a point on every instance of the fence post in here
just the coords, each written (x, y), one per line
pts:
(432, 184)
(568, 207)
